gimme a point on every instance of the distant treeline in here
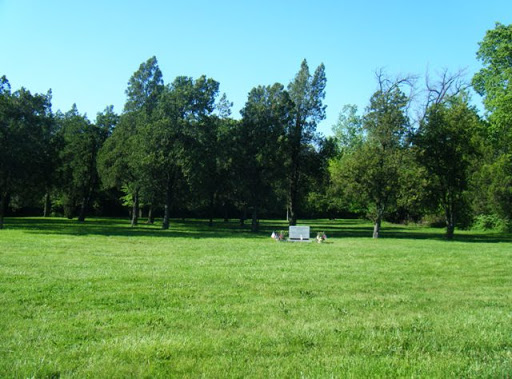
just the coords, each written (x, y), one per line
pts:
(414, 154)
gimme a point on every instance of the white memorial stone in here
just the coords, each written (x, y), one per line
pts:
(299, 234)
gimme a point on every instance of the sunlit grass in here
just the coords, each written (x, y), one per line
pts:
(101, 299)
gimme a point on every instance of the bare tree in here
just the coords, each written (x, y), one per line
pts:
(446, 84)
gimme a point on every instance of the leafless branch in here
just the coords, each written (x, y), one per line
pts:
(405, 83)
(447, 84)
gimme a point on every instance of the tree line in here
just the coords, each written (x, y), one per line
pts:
(412, 155)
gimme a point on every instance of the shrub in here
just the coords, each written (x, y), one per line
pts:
(491, 222)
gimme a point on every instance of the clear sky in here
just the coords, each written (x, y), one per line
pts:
(86, 51)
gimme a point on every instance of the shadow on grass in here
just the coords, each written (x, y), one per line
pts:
(121, 227)
(197, 228)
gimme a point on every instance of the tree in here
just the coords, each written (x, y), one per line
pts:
(51, 146)
(265, 116)
(144, 87)
(492, 187)
(494, 83)
(349, 137)
(368, 174)
(79, 175)
(447, 150)
(170, 141)
(25, 126)
(119, 160)
(307, 93)
(120, 163)
(211, 159)
(387, 125)
(319, 197)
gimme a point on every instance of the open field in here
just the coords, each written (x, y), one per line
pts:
(104, 300)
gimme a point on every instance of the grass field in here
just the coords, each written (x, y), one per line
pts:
(104, 300)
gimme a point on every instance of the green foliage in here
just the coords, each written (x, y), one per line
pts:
(262, 139)
(175, 148)
(118, 159)
(484, 222)
(106, 121)
(368, 174)
(121, 159)
(493, 181)
(174, 141)
(494, 80)
(26, 143)
(307, 93)
(348, 131)
(385, 121)
(144, 87)
(414, 197)
(78, 171)
(492, 187)
(447, 150)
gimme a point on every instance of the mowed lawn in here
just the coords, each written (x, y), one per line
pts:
(102, 299)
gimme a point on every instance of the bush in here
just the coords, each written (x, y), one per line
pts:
(491, 222)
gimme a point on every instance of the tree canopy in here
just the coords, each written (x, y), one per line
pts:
(413, 154)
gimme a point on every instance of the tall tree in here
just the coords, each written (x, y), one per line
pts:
(51, 146)
(387, 124)
(447, 149)
(494, 83)
(171, 140)
(307, 93)
(82, 141)
(369, 174)
(120, 158)
(211, 162)
(25, 124)
(144, 87)
(265, 116)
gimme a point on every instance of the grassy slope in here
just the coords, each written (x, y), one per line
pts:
(102, 299)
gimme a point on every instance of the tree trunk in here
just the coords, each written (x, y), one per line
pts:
(226, 215)
(151, 215)
(292, 216)
(243, 216)
(378, 223)
(450, 223)
(211, 210)
(255, 223)
(294, 171)
(376, 228)
(167, 206)
(85, 204)
(450, 231)
(135, 209)
(47, 206)
(293, 195)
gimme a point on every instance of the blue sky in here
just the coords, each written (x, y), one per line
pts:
(86, 51)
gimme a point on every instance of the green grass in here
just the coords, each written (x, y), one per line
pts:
(101, 299)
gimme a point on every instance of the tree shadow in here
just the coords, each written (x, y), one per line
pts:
(199, 228)
(122, 228)
(348, 228)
